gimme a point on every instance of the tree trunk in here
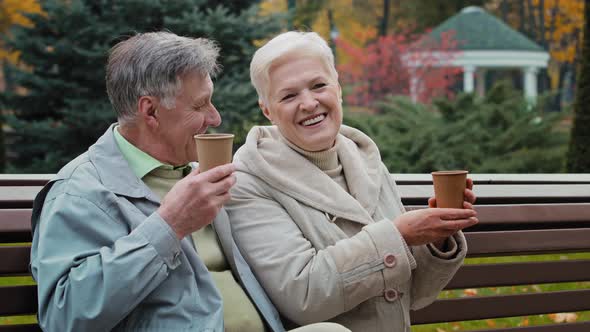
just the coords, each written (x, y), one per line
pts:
(291, 6)
(579, 149)
(504, 10)
(532, 26)
(385, 18)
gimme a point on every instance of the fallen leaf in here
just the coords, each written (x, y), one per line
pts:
(440, 330)
(524, 322)
(491, 323)
(470, 291)
(563, 317)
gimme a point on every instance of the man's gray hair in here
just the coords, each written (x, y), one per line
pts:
(153, 64)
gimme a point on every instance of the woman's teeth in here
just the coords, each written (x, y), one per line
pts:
(313, 120)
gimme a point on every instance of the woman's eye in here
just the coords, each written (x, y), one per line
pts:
(289, 96)
(319, 85)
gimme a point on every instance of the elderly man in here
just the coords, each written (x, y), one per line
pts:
(112, 246)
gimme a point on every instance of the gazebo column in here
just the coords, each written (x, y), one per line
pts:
(530, 84)
(414, 85)
(468, 78)
(480, 82)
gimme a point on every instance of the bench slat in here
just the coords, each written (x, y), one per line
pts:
(15, 225)
(508, 194)
(25, 179)
(15, 260)
(527, 242)
(562, 327)
(526, 273)
(18, 300)
(483, 179)
(21, 197)
(18, 197)
(20, 328)
(502, 216)
(485, 307)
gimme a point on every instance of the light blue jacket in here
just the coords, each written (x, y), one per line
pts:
(105, 260)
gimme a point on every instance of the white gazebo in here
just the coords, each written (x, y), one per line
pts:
(485, 42)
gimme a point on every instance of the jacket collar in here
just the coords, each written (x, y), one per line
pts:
(114, 171)
(267, 156)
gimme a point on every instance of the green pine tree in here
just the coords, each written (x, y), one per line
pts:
(62, 107)
(498, 134)
(579, 148)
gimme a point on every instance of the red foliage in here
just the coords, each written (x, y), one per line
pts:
(382, 68)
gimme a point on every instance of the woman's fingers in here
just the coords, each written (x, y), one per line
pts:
(459, 224)
(432, 202)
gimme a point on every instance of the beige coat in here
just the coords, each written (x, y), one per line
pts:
(323, 254)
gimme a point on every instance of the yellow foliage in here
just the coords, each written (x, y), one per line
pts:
(353, 25)
(11, 13)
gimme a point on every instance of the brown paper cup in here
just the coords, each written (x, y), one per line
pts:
(448, 188)
(213, 150)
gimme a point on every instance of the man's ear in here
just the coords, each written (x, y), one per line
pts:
(147, 111)
(339, 93)
(265, 111)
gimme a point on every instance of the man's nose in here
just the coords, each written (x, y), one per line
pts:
(213, 117)
(308, 101)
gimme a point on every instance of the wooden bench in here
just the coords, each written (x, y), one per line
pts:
(519, 214)
(16, 195)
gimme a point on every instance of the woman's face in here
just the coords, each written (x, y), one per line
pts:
(304, 102)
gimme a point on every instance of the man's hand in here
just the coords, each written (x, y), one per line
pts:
(433, 225)
(194, 201)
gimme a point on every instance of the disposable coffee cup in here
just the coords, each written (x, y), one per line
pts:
(448, 188)
(213, 150)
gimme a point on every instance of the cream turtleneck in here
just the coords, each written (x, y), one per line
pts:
(326, 160)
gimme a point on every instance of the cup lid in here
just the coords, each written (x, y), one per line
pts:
(454, 172)
(214, 136)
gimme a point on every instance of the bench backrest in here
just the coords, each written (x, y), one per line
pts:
(519, 214)
(16, 193)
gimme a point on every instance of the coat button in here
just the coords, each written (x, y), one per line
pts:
(389, 260)
(390, 295)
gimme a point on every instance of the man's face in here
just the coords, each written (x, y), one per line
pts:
(192, 114)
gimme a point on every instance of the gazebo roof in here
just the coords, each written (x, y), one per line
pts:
(475, 29)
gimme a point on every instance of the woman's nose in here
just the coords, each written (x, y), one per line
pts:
(308, 102)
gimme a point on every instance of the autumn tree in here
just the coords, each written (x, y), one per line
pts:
(383, 68)
(579, 149)
(557, 26)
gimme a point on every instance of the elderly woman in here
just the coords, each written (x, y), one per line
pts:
(315, 212)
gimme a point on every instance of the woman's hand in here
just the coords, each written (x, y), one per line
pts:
(468, 196)
(433, 225)
(469, 199)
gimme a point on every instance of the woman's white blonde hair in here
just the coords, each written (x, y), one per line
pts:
(288, 44)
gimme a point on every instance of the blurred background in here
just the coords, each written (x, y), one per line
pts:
(493, 86)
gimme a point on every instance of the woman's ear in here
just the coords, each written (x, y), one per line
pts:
(339, 93)
(266, 111)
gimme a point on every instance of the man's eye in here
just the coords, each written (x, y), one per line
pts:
(319, 85)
